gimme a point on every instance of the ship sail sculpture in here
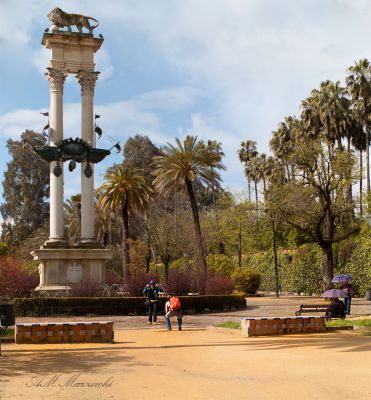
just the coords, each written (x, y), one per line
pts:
(76, 150)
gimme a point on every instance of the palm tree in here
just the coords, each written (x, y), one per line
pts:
(359, 86)
(179, 168)
(215, 149)
(246, 152)
(333, 106)
(125, 190)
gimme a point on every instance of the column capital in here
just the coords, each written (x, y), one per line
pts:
(56, 79)
(87, 81)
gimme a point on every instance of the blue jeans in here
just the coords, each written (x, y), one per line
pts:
(347, 301)
(171, 313)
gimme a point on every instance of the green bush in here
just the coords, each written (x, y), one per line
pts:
(302, 272)
(3, 249)
(359, 263)
(75, 306)
(220, 263)
(299, 269)
(246, 281)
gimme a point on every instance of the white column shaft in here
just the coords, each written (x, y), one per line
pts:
(87, 184)
(56, 79)
(87, 82)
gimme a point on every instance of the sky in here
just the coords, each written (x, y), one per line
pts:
(225, 70)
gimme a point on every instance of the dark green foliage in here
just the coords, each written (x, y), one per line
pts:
(359, 262)
(300, 269)
(139, 152)
(26, 189)
(246, 281)
(120, 305)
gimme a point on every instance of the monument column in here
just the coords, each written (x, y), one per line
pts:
(56, 79)
(87, 81)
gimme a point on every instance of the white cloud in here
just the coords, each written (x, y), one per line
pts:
(250, 61)
(103, 64)
(119, 120)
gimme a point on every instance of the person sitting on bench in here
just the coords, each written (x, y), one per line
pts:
(336, 309)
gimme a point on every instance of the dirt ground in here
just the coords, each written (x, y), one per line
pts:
(194, 364)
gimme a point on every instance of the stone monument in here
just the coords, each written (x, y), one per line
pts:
(63, 265)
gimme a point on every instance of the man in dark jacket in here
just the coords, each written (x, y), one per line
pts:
(151, 293)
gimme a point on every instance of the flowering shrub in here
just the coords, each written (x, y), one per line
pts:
(15, 281)
(218, 284)
(137, 282)
(86, 288)
(179, 282)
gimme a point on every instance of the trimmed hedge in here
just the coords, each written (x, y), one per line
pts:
(77, 306)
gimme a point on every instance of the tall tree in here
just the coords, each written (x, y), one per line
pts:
(125, 190)
(359, 86)
(315, 202)
(139, 152)
(246, 152)
(26, 188)
(179, 168)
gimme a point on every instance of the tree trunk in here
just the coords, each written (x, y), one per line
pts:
(276, 277)
(125, 242)
(327, 265)
(148, 255)
(367, 163)
(257, 201)
(198, 235)
(350, 192)
(249, 188)
(166, 270)
(361, 183)
(240, 247)
(327, 253)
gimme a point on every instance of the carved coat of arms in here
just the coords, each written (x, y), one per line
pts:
(74, 273)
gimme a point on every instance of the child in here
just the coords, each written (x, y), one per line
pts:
(173, 308)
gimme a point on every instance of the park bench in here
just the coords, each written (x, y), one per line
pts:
(328, 309)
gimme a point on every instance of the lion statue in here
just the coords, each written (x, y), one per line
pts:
(62, 19)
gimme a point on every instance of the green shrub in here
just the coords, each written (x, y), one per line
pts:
(3, 249)
(181, 263)
(246, 281)
(77, 306)
(299, 269)
(303, 271)
(359, 264)
(220, 263)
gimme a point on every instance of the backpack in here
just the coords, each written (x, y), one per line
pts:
(174, 303)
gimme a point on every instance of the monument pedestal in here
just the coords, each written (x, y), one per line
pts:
(63, 268)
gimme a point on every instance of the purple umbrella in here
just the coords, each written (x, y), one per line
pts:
(332, 293)
(339, 278)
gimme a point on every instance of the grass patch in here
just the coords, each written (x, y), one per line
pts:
(8, 333)
(348, 322)
(230, 325)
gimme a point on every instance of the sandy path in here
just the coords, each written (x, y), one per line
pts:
(193, 364)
